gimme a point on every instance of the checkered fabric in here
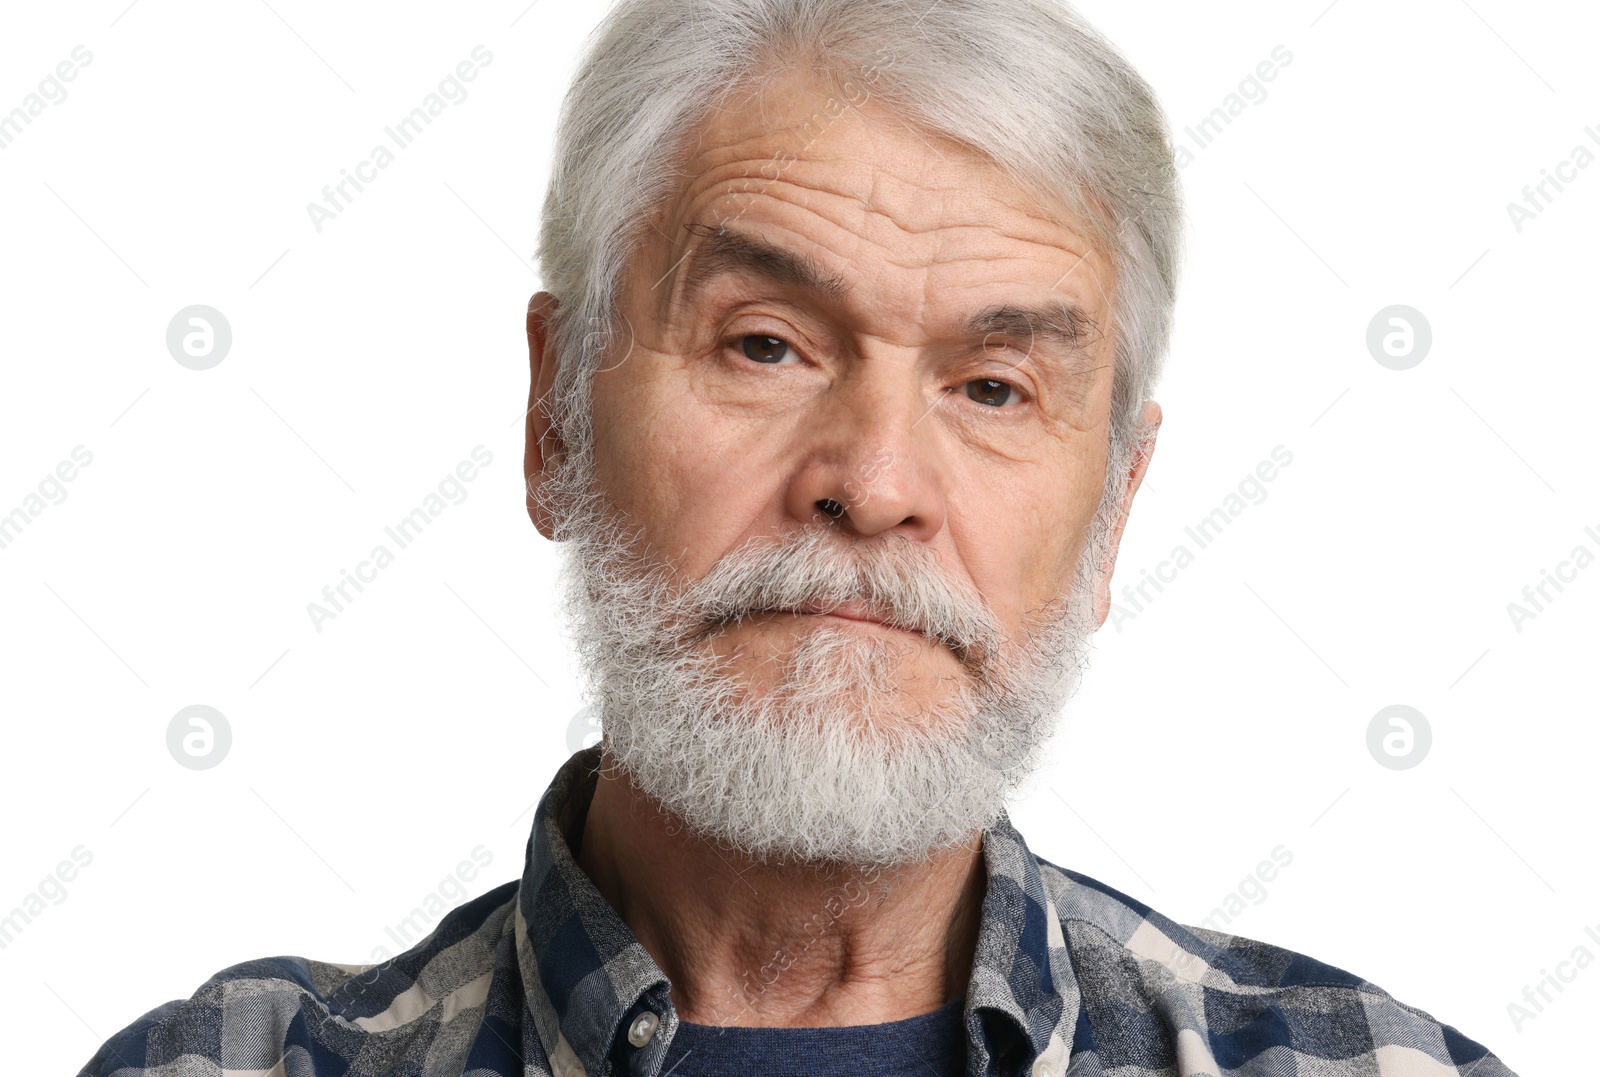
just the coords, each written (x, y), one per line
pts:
(541, 977)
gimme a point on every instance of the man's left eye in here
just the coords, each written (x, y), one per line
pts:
(988, 391)
(765, 349)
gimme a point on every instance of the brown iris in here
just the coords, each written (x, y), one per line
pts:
(988, 391)
(765, 349)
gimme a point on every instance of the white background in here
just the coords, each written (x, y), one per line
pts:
(1227, 717)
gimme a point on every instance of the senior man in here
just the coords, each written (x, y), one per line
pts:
(839, 405)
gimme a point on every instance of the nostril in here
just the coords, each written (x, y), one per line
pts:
(831, 507)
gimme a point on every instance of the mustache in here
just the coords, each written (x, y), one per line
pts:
(897, 580)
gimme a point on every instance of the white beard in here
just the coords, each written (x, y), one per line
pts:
(828, 765)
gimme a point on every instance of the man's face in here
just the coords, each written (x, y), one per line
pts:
(827, 542)
(946, 377)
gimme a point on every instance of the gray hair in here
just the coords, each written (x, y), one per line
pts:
(1027, 83)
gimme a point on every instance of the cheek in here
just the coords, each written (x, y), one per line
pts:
(640, 443)
(1020, 530)
(663, 458)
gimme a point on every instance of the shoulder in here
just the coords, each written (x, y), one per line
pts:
(251, 1006)
(1241, 1002)
(260, 1014)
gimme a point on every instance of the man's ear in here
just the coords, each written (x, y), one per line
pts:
(543, 449)
(1141, 462)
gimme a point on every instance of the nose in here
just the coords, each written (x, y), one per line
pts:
(869, 461)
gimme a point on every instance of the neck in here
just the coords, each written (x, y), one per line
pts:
(782, 945)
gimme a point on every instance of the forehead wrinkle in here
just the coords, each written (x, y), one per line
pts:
(849, 219)
(726, 138)
(718, 180)
(737, 173)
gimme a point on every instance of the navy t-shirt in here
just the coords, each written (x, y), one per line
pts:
(932, 1045)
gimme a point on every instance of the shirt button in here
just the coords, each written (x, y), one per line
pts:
(644, 1026)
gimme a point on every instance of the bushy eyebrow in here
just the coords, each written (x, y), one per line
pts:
(724, 250)
(1061, 322)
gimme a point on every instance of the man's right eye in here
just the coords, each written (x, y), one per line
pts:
(765, 349)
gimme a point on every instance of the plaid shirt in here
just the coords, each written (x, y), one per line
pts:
(541, 977)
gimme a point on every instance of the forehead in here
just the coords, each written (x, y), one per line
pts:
(828, 171)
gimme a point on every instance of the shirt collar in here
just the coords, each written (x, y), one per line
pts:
(586, 977)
